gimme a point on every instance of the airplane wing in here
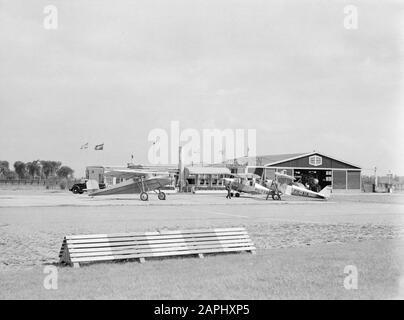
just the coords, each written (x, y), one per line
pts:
(299, 184)
(131, 186)
(154, 183)
(245, 175)
(131, 173)
(284, 178)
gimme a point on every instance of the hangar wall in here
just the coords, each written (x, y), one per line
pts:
(354, 179)
(339, 174)
(339, 179)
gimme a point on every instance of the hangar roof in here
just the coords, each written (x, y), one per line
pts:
(268, 159)
(280, 157)
(264, 159)
(297, 160)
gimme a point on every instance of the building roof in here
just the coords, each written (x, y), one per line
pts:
(207, 170)
(267, 159)
(274, 159)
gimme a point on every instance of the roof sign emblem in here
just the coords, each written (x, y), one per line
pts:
(315, 161)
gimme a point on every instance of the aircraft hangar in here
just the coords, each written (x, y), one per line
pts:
(339, 174)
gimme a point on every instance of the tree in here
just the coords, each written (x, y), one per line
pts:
(65, 172)
(11, 175)
(34, 169)
(20, 169)
(50, 168)
(46, 168)
(4, 168)
(55, 166)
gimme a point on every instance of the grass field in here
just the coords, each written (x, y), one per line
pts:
(294, 273)
(303, 247)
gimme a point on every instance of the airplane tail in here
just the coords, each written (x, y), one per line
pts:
(92, 185)
(326, 192)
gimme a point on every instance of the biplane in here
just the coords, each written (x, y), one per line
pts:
(285, 184)
(282, 184)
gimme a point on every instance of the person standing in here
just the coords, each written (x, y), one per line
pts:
(228, 191)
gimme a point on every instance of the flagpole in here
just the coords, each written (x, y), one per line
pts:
(84, 148)
(99, 157)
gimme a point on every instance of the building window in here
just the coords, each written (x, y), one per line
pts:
(315, 161)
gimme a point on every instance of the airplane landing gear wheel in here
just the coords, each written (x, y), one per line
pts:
(237, 195)
(231, 194)
(161, 195)
(276, 196)
(144, 196)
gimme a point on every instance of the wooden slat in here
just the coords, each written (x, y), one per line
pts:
(155, 233)
(159, 237)
(104, 247)
(162, 238)
(160, 245)
(161, 254)
(147, 250)
(104, 244)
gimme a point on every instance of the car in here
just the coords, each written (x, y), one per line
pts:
(79, 188)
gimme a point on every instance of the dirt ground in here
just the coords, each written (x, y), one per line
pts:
(33, 223)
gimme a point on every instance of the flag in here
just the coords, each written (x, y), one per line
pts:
(99, 147)
(84, 146)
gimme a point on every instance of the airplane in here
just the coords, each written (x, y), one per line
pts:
(285, 184)
(245, 183)
(136, 181)
(282, 184)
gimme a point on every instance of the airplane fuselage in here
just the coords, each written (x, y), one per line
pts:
(302, 192)
(254, 188)
(133, 186)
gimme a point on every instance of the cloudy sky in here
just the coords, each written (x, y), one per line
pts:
(114, 71)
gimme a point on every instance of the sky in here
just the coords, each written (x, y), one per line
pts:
(114, 71)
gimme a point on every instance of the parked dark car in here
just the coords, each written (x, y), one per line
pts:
(81, 187)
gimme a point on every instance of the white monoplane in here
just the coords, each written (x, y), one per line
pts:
(136, 181)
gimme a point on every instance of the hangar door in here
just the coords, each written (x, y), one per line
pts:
(270, 174)
(354, 179)
(339, 179)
